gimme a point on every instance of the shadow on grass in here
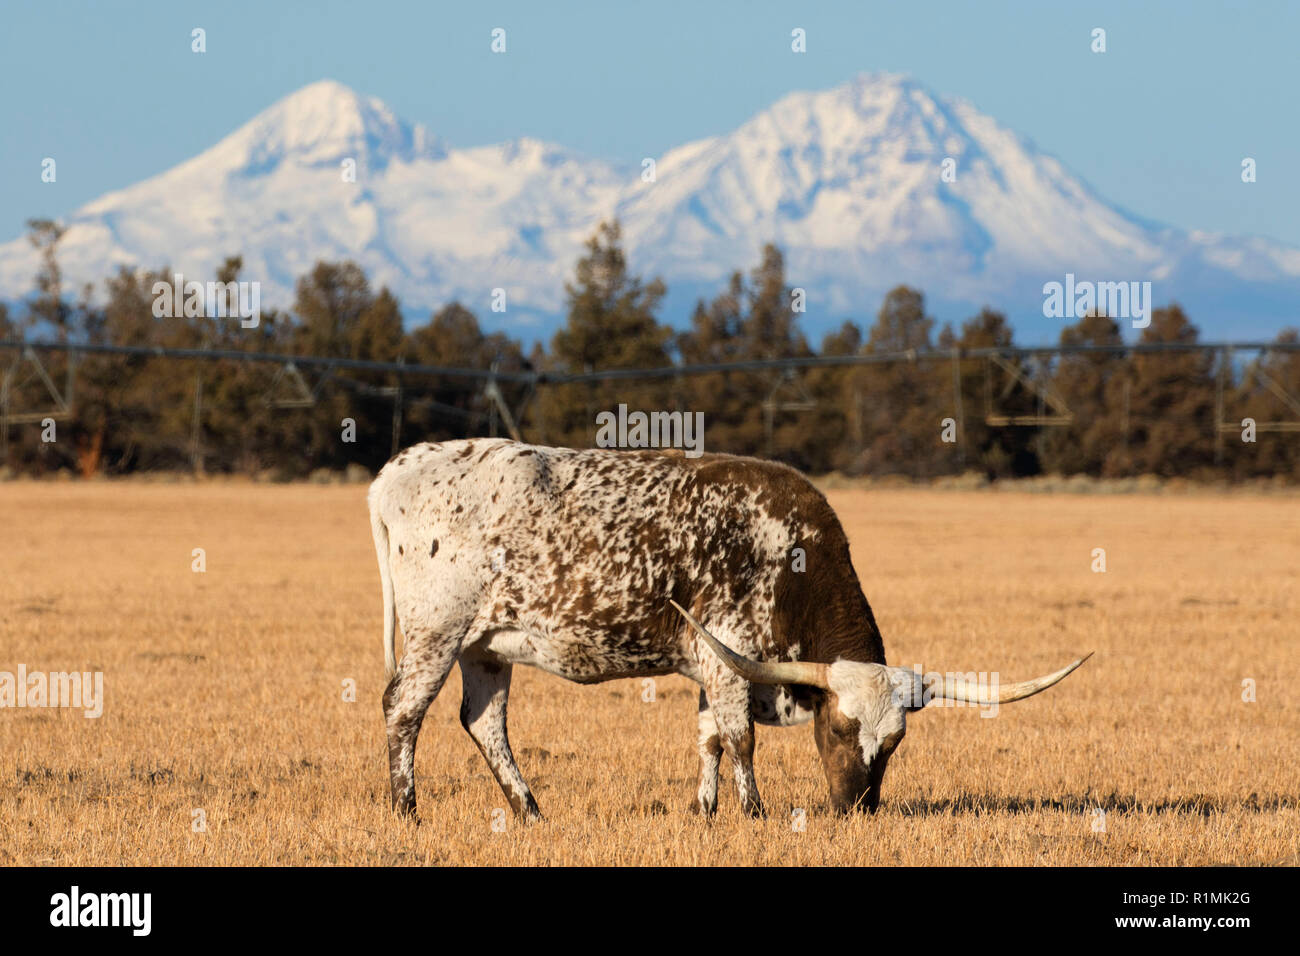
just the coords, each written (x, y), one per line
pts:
(1194, 805)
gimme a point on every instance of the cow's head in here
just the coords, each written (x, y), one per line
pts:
(861, 710)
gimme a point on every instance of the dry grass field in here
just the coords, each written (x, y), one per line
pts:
(225, 694)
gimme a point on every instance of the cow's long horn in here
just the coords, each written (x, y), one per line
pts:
(759, 672)
(952, 689)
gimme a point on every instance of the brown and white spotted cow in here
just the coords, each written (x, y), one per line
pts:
(494, 553)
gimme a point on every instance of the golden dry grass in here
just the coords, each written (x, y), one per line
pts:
(225, 693)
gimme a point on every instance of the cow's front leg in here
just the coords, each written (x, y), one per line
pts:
(486, 680)
(729, 704)
(710, 747)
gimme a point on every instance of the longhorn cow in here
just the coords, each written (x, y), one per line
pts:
(596, 564)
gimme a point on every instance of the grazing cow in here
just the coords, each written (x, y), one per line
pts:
(594, 565)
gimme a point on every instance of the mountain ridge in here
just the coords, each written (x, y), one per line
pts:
(846, 181)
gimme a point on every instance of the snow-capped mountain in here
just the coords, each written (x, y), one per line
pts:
(848, 182)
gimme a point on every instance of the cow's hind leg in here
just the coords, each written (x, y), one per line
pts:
(426, 662)
(486, 681)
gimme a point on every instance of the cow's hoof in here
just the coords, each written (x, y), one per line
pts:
(705, 810)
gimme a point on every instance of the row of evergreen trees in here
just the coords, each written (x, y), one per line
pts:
(1147, 413)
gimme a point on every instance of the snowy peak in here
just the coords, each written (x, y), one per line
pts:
(871, 108)
(326, 123)
(837, 132)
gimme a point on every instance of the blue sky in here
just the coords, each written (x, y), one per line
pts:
(1158, 124)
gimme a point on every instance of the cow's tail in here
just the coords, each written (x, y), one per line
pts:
(380, 532)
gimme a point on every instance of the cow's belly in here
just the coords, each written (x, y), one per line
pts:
(579, 658)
